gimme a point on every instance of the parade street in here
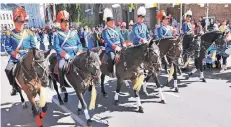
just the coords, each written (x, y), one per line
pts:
(197, 105)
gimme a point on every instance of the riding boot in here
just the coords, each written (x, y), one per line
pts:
(61, 79)
(11, 81)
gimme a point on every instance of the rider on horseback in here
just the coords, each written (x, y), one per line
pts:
(113, 39)
(66, 43)
(164, 30)
(140, 30)
(188, 33)
(18, 42)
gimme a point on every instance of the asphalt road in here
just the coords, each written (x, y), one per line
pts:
(197, 105)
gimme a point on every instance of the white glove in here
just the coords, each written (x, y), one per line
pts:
(67, 56)
(16, 55)
(145, 41)
(118, 48)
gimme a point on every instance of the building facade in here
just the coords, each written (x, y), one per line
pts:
(6, 16)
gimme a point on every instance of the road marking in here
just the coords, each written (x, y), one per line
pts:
(171, 94)
(73, 115)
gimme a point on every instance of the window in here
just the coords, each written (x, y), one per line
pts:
(0, 17)
(12, 26)
(10, 17)
(8, 26)
(7, 17)
(3, 16)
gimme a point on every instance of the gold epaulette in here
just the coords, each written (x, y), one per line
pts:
(29, 32)
(8, 32)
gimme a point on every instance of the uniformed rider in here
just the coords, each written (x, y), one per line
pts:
(112, 38)
(140, 30)
(66, 43)
(187, 32)
(18, 42)
(164, 30)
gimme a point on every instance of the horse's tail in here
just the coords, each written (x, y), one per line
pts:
(43, 96)
(93, 97)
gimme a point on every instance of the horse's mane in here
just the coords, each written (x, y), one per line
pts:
(211, 36)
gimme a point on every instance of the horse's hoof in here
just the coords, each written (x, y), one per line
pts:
(116, 102)
(24, 106)
(65, 99)
(79, 111)
(104, 94)
(177, 89)
(203, 80)
(163, 101)
(61, 102)
(141, 110)
(89, 122)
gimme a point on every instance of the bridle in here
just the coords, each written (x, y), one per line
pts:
(31, 74)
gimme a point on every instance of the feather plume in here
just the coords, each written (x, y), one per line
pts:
(141, 11)
(107, 13)
(189, 12)
(161, 14)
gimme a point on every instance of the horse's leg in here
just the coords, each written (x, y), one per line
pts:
(65, 99)
(179, 70)
(145, 82)
(196, 62)
(140, 108)
(24, 105)
(175, 78)
(35, 110)
(84, 107)
(156, 79)
(79, 110)
(118, 87)
(57, 91)
(102, 85)
(201, 69)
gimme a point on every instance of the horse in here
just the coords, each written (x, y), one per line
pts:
(172, 48)
(80, 73)
(129, 67)
(31, 76)
(210, 38)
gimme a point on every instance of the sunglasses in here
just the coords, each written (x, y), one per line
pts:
(64, 20)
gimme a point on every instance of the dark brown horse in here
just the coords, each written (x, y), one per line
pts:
(80, 73)
(128, 67)
(216, 38)
(31, 76)
(171, 48)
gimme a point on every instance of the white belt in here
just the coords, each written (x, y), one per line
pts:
(71, 47)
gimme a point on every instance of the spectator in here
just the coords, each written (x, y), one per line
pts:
(81, 36)
(223, 27)
(202, 21)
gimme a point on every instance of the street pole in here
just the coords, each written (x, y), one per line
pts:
(158, 10)
(181, 15)
(207, 17)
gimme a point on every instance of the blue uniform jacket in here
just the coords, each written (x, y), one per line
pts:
(70, 47)
(112, 37)
(187, 28)
(164, 32)
(12, 41)
(139, 31)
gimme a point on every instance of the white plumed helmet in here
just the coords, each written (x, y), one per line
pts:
(141, 11)
(107, 15)
(188, 13)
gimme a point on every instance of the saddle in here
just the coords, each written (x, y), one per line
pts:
(106, 58)
(66, 67)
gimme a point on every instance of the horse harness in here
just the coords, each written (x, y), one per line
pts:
(28, 75)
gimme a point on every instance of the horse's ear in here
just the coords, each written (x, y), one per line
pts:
(150, 43)
(88, 52)
(47, 53)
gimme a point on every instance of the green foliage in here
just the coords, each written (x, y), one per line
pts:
(86, 22)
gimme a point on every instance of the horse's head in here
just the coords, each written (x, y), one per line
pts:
(175, 47)
(153, 54)
(40, 64)
(90, 63)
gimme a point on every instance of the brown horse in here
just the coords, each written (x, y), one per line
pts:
(31, 76)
